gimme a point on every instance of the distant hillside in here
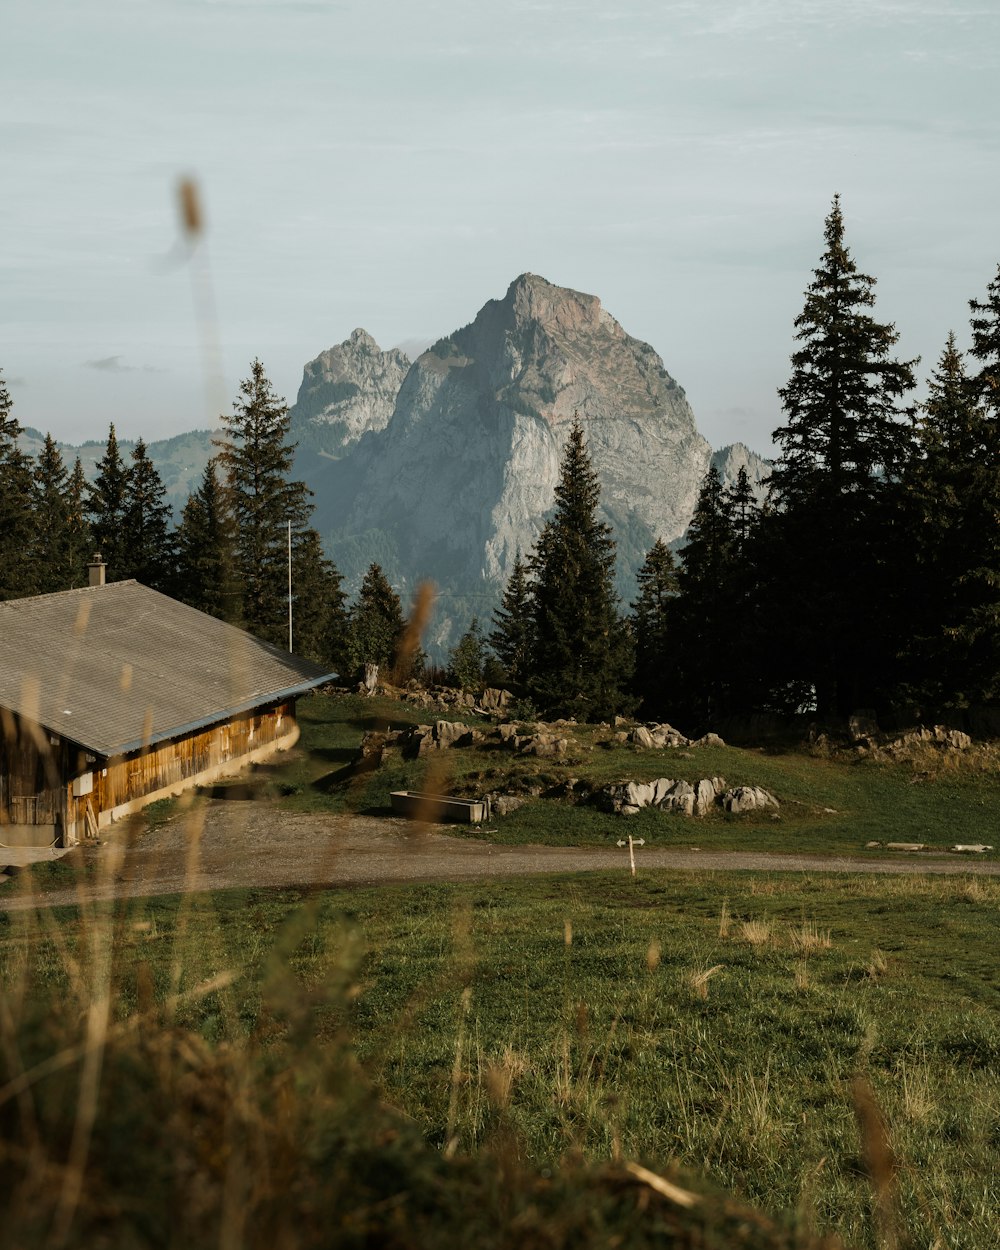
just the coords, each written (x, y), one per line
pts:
(180, 460)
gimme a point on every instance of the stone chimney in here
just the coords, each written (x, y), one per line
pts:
(97, 568)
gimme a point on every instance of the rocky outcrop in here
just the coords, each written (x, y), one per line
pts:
(690, 798)
(656, 737)
(669, 795)
(346, 392)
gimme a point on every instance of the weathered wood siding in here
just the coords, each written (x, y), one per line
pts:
(125, 779)
(38, 777)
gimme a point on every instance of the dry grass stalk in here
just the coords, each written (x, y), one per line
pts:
(878, 965)
(810, 937)
(725, 920)
(456, 1076)
(802, 979)
(699, 978)
(653, 955)
(756, 932)
(682, 1197)
(880, 1161)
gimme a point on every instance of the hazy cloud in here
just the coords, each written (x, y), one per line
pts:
(113, 364)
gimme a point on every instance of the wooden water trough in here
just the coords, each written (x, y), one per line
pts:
(439, 807)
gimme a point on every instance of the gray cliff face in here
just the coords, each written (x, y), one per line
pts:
(462, 477)
(346, 392)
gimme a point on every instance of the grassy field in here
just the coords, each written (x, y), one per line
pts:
(829, 805)
(712, 1021)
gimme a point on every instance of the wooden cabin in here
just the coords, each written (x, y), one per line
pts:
(115, 695)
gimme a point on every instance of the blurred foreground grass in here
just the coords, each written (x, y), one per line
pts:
(445, 1065)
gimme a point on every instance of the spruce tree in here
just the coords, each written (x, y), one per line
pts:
(513, 627)
(79, 539)
(581, 661)
(17, 574)
(256, 459)
(318, 612)
(107, 500)
(743, 509)
(953, 609)
(50, 548)
(706, 624)
(147, 550)
(376, 623)
(467, 661)
(843, 448)
(206, 561)
(986, 349)
(652, 621)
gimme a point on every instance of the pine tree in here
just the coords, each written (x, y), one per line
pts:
(513, 627)
(705, 619)
(107, 499)
(17, 575)
(256, 460)
(743, 509)
(953, 609)
(147, 550)
(206, 560)
(376, 623)
(843, 448)
(318, 611)
(79, 539)
(51, 539)
(581, 659)
(986, 349)
(467, 661)
(652, 621)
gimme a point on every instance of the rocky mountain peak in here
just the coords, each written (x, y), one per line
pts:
(347, 391)
(463, 474)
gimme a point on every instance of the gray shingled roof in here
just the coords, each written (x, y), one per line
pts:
(113, 667)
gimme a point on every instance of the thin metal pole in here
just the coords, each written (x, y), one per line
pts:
(289, 585)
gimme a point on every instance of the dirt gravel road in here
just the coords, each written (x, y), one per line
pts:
(219, 844)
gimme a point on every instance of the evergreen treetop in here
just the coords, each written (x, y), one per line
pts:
(256, 458)
(51, 539)
(107, 500)
(147, 543)
(17, 573)
(581, 662)
(512, 636)
(652, 621)
(376, 622)
(842, 402)
(206, 563)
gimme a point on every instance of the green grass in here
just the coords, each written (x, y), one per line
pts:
(828, 805)
(714, 1021)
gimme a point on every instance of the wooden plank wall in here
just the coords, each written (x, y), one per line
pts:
(36, 788)
(126, 778)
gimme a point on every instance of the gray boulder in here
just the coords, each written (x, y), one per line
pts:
(748, 799)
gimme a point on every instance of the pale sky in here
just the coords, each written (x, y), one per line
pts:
(394, 164)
